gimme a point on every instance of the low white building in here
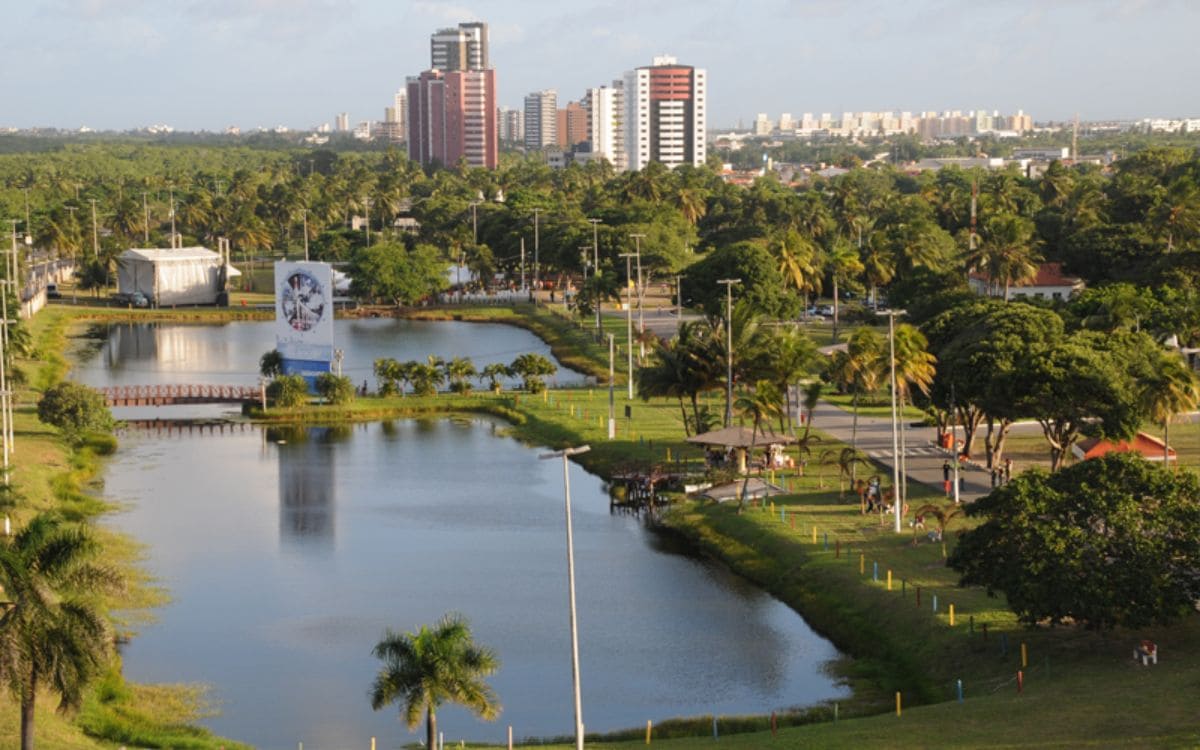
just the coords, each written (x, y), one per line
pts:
(1048, 283)
(174, 275)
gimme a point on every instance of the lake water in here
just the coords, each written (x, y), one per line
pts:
(288, 552)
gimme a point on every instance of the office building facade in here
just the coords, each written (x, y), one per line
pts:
(665, 114)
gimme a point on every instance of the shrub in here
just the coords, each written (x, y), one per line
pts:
(288, 391)
(335, 389)
(74, 409)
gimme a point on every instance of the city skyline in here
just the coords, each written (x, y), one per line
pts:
(123, 64)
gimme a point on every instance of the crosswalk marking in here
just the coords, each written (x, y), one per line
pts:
(918, 451)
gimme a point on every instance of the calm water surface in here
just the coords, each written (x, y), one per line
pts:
(287, 554)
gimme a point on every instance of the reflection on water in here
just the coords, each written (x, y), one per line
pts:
(287, 560)
(307, 478)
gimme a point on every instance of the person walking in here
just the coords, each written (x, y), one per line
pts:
(1007, 470)
(946, 477)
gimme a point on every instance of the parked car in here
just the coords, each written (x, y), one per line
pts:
(825, 310)
(137, 299)
(52, 292)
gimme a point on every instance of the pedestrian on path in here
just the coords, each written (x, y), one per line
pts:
(946, 477)
(1007, 470)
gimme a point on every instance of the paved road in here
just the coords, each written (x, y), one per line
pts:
(923, 458)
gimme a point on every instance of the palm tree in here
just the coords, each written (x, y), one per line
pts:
(943, 516)
(1005, 252)
(914, 368)
(1171, 390)
(760, 405)
(843, 264)
(847, 460)
(495, 373)
(425, 669)
(459, 371)
(52, 635)
(859, 370)
(798, 263)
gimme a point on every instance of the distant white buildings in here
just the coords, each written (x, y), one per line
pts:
(929, 125)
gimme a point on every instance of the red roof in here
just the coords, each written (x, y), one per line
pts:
(1149, 446)
(1048, 274)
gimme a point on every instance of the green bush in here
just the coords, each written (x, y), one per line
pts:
(288, 391)
(335, 389)
(74, 409)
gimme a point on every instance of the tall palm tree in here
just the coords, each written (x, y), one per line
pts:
(860, 370)
(843, 264)
(425, 669)
(799, 266)
(760, 405)
(1005, 252)
(52, 632)
(1171, 390)
(915, 368)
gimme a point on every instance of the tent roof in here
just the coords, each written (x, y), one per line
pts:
(1147, 445)
(740, 437)
(755, 487)
(163, 254)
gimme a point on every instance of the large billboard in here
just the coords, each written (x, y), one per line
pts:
(304, 317)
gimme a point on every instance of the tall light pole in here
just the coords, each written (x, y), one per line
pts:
(629, 317)
(596, 262)
(678, 301)
(637, 254)
(367, 205)
(612, 406)
(304, 215)
(571, 587)
(897, 495)
(537, 268)
(146, 216)
(95, 233)
(729, 347)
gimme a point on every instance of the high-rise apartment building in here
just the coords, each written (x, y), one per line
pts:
(462, 48)
(665, 114)
(452, 107)
(452, 116)
(541, 119)
(571, 124)
(343, 122)
(605, 122)
(512, 125)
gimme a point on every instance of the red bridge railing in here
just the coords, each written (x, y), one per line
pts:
(163, 395)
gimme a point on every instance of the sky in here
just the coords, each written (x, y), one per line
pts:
(210, 64)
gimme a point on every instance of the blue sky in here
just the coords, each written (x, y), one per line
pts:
(207, 64)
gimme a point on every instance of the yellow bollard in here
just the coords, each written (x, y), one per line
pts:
(862, 565)
(951, 615)
(1024, 657)
(814, 534)
(668, 455)
(648, 725)
(545, 396)
(890, 587)
(772, 507)
(372, 743)
(897, 702)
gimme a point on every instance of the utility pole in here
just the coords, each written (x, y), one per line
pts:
(678, 301)
(95, 233)
(172, 215)
(304, 218)
(729, 347)
(637, 240)
(537, 268)
(629, 316)
(522, 264)
(954, 444)
(897, 494)
(596, 261)
(612, 408)
(146, 217)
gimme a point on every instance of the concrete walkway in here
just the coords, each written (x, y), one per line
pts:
(923, 458)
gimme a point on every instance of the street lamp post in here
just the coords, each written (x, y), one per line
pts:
(612, 408)
(537, 268)
(897, 495)
(729, 347)
(596, 261)
(637, 239)
(571, 587)
(629, 317)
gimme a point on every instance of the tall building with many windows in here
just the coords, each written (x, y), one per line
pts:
(605, 122)
(452, 116)
(512, 125)
(462, 48)
(541, 120)
(452, 106)
(665, 114)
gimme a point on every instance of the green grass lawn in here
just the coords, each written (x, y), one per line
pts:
(879, 407)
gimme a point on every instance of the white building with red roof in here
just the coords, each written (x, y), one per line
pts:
(1048, 283)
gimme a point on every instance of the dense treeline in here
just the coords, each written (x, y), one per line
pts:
(862, 232)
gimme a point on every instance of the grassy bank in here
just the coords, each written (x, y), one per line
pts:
(50, 475)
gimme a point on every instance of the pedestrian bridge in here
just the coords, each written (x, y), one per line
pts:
(168, 395)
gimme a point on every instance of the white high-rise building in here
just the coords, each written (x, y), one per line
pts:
(762, 124)
(512, 125)
(786, 123)
(541, 120)
(343, 122)
(605, 123)
(665, 114)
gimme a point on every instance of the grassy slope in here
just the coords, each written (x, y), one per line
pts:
(1093, 695)
(51, 477)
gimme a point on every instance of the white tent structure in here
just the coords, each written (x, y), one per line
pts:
(174, 275)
